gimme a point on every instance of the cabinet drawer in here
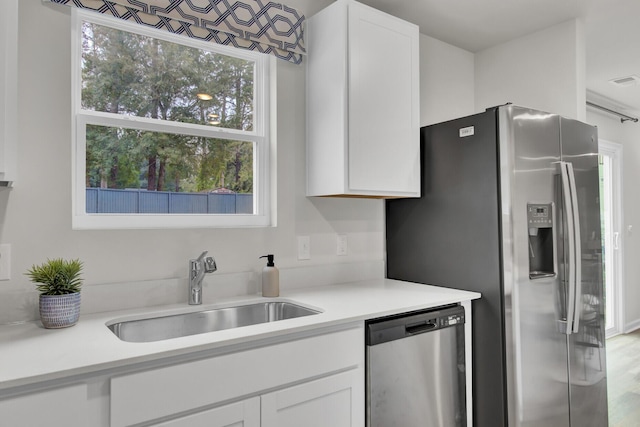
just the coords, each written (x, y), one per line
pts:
(64, 406)
(161, 392)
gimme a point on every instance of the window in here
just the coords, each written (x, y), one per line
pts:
(170, 132)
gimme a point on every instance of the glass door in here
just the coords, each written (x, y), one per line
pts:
(610, 209)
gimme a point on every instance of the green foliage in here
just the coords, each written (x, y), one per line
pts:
(130, 74)
(57, 276)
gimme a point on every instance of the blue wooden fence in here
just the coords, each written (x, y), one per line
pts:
(106, 200)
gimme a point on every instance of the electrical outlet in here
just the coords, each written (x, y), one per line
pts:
(5, 261)
(341, 249)
(304, 247)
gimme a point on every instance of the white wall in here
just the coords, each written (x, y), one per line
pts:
(628, 135)
(544, 70)
(446, 81)
(35, 216)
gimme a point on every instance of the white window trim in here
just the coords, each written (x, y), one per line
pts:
(260, 137)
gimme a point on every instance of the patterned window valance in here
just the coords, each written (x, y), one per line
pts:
(249, 24)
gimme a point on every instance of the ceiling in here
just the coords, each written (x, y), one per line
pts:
(612, 30)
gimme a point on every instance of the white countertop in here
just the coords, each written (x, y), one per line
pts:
(30, 354)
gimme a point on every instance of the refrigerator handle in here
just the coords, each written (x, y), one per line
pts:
(577, 254)
(568, 210)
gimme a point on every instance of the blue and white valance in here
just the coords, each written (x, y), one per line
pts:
(264, 26)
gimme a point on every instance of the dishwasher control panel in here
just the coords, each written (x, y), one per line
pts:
(453, 319)
(396, 327)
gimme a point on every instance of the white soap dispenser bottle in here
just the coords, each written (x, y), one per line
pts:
(270, 278)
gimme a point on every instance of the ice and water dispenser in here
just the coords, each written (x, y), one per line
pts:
(541, 239)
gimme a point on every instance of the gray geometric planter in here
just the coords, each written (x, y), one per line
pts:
(59, 311)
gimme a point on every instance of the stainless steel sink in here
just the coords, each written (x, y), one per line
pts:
(180, 325)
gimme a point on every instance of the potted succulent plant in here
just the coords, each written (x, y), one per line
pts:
(58, 282)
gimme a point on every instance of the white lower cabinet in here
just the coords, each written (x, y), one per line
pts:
(240, 414)
(311, 380)
(334, 401)
(64, 406)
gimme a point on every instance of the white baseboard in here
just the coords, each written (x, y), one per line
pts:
(632, 326)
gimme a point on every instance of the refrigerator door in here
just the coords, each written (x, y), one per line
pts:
(535, 304)
(587, 364)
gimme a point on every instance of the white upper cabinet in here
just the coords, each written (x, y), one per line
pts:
(363, 106)
(8, 90)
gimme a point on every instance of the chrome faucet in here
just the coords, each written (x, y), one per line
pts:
(197, 269)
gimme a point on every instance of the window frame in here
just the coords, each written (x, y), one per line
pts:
(259, 136)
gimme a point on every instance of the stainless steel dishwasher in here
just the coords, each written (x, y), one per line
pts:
(416, 369)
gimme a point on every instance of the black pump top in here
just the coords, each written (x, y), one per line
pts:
(269, 260)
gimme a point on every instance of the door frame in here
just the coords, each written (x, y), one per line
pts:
(614, 150)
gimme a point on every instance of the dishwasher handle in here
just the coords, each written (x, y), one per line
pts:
(420, 327)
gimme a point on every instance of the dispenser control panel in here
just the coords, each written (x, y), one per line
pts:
(541, 240)
(539, 216)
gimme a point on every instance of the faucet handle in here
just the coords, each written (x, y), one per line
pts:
(202, 256)
(210, 264)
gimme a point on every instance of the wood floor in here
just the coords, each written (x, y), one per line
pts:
(623, 380)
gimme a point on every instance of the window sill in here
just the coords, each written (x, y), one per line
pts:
(159, 221)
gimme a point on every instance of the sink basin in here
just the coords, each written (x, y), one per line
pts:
(180, 325)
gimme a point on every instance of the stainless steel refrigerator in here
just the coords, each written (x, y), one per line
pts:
(510, 208)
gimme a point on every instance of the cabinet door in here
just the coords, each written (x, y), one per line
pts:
(384, 128)
(57, 407)
(335, 401)
(240, 414)
(8, 90)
